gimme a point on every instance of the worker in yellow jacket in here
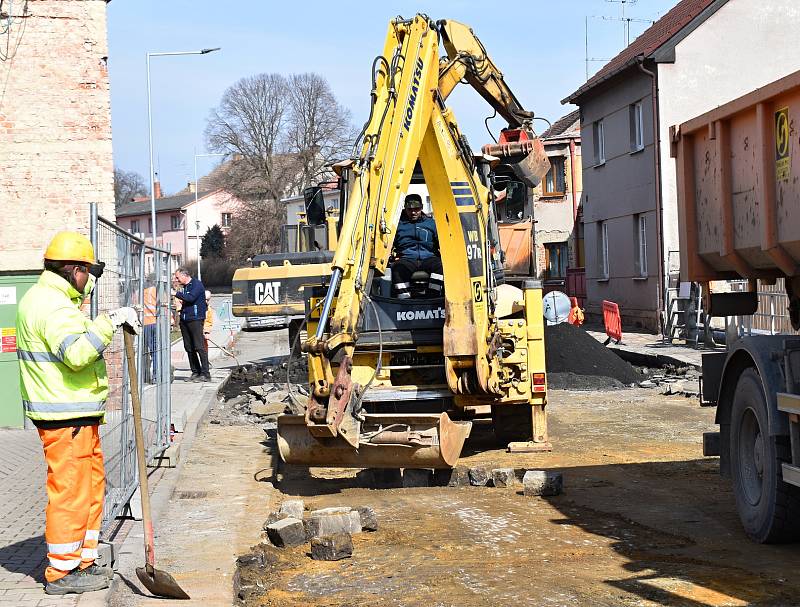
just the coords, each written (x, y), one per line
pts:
(64, 386)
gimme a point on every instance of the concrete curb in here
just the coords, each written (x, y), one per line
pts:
(131, 551)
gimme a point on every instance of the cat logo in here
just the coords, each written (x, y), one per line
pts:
(267, 293)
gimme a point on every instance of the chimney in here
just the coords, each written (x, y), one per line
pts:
(157, 189)
(191, 187)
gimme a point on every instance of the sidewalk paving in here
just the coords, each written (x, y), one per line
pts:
(649, 350)
(22, 485)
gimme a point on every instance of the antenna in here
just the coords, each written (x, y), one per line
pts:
(626, 22)
(626, 26)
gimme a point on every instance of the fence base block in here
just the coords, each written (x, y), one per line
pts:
(168, 459)
(106, 555)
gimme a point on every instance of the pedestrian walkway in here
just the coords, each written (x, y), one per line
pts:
(22, 485)
(22, 504)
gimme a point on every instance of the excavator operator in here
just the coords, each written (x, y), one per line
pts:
(416, 247)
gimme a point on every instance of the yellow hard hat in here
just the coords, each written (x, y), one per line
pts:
(70, 246)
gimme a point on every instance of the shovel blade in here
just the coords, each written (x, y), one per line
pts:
(160, 583)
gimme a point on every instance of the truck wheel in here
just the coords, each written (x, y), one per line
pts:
(768, 508)
(512, 423)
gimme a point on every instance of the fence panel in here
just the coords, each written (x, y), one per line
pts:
(135, 275)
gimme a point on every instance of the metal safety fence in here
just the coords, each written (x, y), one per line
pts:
(135, 275)
(772, 315)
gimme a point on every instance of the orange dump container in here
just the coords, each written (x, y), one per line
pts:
(738, 170)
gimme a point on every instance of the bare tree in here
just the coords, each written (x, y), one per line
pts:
(128, 185)
(320, 130)
(280, 134)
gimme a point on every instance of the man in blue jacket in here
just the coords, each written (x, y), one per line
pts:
(416, 247)
(192, 295)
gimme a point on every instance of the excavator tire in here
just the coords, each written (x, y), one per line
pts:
(512, 423)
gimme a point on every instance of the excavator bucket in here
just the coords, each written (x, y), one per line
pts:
(523, 152)
(386, 441)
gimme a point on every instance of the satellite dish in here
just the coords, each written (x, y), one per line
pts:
(556, 307)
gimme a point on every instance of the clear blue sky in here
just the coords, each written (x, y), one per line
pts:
(539, 45)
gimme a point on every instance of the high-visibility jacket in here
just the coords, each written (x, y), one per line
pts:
(61, 367)
(150, 306)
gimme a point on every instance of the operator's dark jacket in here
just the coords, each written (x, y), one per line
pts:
(416, 240)
(193, 296)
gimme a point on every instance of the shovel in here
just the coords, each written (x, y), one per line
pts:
(159, 583)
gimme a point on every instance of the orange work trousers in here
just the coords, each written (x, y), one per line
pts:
(75, 489)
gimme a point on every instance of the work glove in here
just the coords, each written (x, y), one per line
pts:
(128, 317)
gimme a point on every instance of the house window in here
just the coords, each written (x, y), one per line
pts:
(553, 184)
(557, 259)
(226, 220)
(599, 143)
(135, 226)
(637, 127)
(640, 225)
(603, 252)
(175, 222)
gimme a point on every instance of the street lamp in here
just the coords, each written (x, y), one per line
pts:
(204, 51)
(196, 190)
(197, 238)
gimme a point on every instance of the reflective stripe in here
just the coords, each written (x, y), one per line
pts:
(438, 277)
(89, 553)
(93, 339)
(401, 285)
(92, 535)
(96, 341)
(68, 341)
(62, 565)
(404, 295)
(435, 287)
(37, 357)
(64, 548)
(86, 407)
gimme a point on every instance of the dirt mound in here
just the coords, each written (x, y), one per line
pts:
(576, 360)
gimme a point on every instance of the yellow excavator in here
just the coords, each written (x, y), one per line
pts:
(394, 382)
(271, 291)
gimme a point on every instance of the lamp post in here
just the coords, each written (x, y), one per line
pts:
(197, 238)
(204, 51)
(196, 190)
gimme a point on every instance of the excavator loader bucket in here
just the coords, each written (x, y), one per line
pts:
(523, 152)
(386, 441)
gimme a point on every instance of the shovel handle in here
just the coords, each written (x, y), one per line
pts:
(147, 521)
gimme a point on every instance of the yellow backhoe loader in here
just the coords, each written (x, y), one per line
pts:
(394, 382)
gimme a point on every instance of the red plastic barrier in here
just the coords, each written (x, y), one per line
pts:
(612, 320)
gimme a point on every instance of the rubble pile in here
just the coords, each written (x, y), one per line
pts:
(258, 394)
(672, 380)
(329, 530)
(577, 361)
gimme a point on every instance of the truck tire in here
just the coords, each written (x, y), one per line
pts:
(768, 508)
(512, 423)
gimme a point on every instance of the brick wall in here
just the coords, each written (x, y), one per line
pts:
(55, 126)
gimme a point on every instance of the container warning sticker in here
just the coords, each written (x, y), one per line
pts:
(8, 340)
(783, 160)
